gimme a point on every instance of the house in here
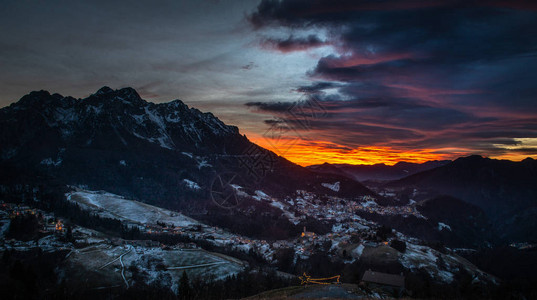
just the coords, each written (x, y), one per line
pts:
(59, 226)
(307, 233)
(389, 282)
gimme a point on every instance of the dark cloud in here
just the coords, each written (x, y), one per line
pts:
(429, 74)
(300, 13)
(292, 43)
(297, 13)
(249, 66)
(273, 122)
(277, 107)
(317, 87)
(525, 151)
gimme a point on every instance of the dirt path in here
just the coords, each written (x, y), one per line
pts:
(123, 266)
(112, 261)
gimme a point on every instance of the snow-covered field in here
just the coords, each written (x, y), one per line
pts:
(333, 186)
(115, 206)
(442, 267)
(106, 263)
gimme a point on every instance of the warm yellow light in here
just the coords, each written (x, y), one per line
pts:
(306, 153)
(512, 151)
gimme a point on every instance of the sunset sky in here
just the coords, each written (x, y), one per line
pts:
(390, 80)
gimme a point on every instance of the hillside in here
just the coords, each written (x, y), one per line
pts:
(505, 190)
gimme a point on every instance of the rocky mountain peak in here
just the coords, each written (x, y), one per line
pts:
(125, 95)
(120, 117)
(104, 90)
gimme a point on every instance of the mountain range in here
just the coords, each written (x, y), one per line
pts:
(165, 154)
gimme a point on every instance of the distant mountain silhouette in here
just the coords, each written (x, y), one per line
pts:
(377, 171)
(505, 190)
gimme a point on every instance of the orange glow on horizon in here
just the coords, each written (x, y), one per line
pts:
(514, 156)
(307, 153)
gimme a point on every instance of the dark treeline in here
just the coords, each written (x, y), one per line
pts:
(30, 274)
(24, 227)
(244, 284)
(516, 268)
(247, 283)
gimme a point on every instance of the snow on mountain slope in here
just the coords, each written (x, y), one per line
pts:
(129, 210)
(333, 186)
(440, 266)
(120, 113)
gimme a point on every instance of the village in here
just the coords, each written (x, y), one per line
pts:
(337, 209)
(347, 226)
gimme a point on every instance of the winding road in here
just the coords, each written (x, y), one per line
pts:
(120, 258)
(123, 266)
